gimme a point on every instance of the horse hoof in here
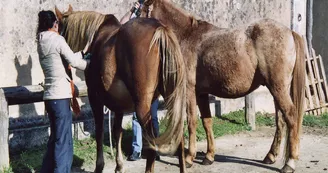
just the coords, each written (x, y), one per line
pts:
(287, 169)
(97, 171)
(206, 161)
(269, 159)
(188, 165)
(119, 169)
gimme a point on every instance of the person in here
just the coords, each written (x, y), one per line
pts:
(136, 128)
(53, 52)
(137, 132)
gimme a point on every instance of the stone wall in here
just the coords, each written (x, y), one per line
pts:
(19, 64)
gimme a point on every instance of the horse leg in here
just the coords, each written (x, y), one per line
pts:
(181, 155)
(192, 125)
(97, 109)
(150, 154)
(289, 112)
(143, 111)
(204, 108)
(275, 147)
(118, 138)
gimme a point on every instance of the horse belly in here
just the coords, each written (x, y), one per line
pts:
(229, 82)
(120, 95)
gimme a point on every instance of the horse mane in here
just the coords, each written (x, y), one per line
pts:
(80, 27)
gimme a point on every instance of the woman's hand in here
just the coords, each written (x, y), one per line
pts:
(136, 5)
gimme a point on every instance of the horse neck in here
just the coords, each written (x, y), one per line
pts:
(80, 30)
(173, 17)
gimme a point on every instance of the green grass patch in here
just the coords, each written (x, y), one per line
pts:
(85, 152)
(230, 123)
(6, 170)
(28, 161)
(316, 121)
(265, 119)
(31, 160)
(320, 121)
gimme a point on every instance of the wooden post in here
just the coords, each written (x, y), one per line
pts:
(250, 111)
(4, 125)
(217, 104)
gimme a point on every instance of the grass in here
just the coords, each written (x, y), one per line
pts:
(231, 123)
(6, 170)
(316, 121)
(31, 160)
(27, 161)
(308, 120)
(85, 150)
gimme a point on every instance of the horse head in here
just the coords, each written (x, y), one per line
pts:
(61, 16)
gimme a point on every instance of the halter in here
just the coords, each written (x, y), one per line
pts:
(146, 8)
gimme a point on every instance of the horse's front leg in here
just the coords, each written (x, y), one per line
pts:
(118, 138)
(204, 108)
(97, 109)
(192, 125)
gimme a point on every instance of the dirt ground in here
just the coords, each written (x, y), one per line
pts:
(241, 153)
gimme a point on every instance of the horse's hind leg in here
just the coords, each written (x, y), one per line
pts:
(144, 118)
(204, 108)
(118, 138)
(192, 125)
(289, 112)
(151, 154)
(275, 147)
(181, 155)
(97, 109)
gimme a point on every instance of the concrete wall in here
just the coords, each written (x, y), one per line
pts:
(320, 25)
(19, 64)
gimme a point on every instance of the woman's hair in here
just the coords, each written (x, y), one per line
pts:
(46, 20)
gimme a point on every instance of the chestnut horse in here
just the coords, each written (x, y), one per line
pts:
(131, 66)
(231, 63)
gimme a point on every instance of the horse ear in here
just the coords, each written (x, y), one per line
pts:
(70, 8)
(58, 14)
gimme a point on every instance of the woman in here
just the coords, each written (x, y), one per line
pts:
(53, 52)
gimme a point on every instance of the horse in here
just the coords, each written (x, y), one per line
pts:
(231, 63)
(131, 65)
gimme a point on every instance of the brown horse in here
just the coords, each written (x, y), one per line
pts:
(232, 63)
(131, 65)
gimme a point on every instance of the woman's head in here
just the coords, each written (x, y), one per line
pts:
(47, 20)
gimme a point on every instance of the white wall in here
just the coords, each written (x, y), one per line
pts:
(19, 64)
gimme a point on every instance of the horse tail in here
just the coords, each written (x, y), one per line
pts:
(297, 89)
(173, 80)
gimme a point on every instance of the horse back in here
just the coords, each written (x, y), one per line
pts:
(237, 61)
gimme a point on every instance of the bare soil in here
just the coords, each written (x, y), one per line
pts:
(241, 153)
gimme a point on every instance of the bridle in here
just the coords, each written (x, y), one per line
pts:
(146, 8)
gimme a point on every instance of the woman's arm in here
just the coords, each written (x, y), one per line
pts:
(128, 15)
(74, 59)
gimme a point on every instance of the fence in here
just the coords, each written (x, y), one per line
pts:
(21, 95)
(34, 93)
